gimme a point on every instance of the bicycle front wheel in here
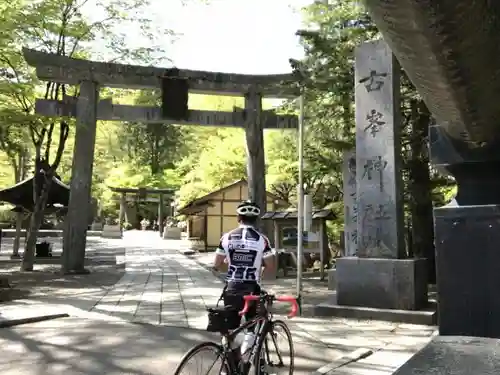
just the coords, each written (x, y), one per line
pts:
(276, 354)
(208, 353)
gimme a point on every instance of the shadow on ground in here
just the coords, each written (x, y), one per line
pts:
(79, 346)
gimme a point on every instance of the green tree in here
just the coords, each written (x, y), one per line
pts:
(60, 27)
(221, 161)
(157, 145)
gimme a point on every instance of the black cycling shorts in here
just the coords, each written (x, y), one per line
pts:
(233, 296)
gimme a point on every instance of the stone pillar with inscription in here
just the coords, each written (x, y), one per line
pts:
(378, 153)
(350, 204)
(379, 277)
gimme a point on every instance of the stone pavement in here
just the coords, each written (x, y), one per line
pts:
(169, 291)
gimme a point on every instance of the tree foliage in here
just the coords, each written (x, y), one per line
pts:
(157, 145)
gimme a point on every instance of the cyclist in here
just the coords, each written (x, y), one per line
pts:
(246, 251)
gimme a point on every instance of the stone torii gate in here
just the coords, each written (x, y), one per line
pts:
(87, 109)
(141, 193)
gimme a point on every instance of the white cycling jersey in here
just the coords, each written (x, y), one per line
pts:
(244, 248)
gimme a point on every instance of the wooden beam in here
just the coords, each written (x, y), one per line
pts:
(107, 111)
(145, 190)
(62, 69)
(142, 200)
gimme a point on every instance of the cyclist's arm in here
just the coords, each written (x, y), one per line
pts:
(268, 258)
(220, 257)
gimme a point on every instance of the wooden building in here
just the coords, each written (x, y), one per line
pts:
(214, 214)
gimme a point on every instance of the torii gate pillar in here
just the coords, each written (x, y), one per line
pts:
(256, 164)
(75, 234)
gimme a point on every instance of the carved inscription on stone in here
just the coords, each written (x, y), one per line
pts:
(375, 122)
(350, 204)
(374, 81)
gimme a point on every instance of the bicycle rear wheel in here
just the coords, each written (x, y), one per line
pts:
(276, 354)
(216, 361)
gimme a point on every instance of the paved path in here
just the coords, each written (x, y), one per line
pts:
(160, 286)
(169, 291)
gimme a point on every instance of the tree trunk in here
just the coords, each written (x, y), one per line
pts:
(35, 223)
(17, 170)
(23, 164)
(421, 189)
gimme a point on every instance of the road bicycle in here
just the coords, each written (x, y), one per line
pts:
(266, 329)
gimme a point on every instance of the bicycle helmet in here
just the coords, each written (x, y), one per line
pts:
(248, 208)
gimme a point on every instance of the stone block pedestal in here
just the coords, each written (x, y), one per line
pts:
(467, 261)
(382, 283)
(96, 226)
(172, 233)
(332, 279)
(111, 231)
(381, 289)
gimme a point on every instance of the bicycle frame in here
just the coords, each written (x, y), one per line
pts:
(261, 323)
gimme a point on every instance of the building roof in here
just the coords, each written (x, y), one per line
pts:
(199, 204)
(286, 215)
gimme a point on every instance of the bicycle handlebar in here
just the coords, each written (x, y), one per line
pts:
(290, 299)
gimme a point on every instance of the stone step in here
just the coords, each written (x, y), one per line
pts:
(331, 309)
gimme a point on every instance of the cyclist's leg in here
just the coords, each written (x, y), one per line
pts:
(236, 302)
(252, 310)
(250, 315)
(233, 298)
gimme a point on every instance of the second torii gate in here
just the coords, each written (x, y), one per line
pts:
(87, 109)
(141, 193)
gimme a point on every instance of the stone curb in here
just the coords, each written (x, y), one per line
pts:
(34, 319)
(353, 356)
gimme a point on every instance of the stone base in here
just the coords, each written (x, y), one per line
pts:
(330, 308)
(83, 271)
(332, 279)
(111, 231)
(172, 233)
(399, 284)
(196, 244)
(467, 260)
(96, 226)
(455, 355)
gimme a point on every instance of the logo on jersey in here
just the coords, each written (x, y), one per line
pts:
(243, 258)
